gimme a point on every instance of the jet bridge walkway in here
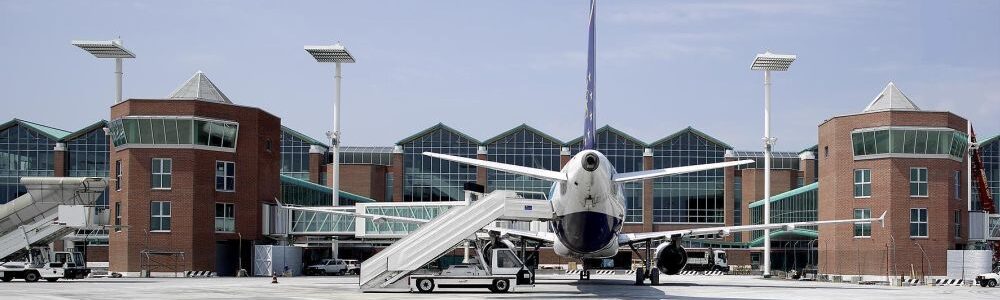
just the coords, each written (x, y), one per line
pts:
(53, 208)
(385, 270)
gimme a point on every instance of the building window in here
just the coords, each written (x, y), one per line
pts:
(862, 183)
(159, 216)
(118, 216)
(918, 222)
(225, 217)
(118, 175)
(957, 183)
(958, 223)
(162, 169)
(225, 176)
(862, 229)
(918, 182)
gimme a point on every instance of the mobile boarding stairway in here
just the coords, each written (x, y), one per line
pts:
(53, 208)
(388, 270)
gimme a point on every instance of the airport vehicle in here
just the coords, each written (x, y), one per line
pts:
(40, 263)
(706, 260)
(988, 279)
(327, 267)
(503, 271)
(353, 267)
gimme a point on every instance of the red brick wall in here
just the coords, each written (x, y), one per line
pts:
(363, 180)
(315, 167)
(890, 192)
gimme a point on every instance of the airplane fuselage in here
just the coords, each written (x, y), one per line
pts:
(589, 208)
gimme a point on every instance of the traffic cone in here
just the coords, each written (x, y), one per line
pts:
(274, 278)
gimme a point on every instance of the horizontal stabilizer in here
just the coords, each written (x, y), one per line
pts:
(526, 171)
(650, 174)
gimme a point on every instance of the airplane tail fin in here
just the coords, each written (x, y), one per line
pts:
(590, 115)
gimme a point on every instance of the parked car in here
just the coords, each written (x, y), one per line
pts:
(328, 267)
(353, 266)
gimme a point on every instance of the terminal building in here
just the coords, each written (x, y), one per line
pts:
(192, 175)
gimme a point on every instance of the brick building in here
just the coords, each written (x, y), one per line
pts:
(892, 157)
(191, 172)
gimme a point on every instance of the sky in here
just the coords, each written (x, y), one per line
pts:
(484, 67)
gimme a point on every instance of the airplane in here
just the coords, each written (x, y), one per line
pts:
(589, 203)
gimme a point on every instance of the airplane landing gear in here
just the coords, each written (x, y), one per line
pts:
(585, 274)
(647, 270)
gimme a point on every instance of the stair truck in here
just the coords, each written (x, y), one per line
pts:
(499, 273)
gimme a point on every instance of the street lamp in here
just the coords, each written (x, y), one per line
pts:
(333, 54)
(768, 62)
(108, 49)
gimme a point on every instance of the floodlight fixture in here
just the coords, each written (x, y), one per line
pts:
(333, 53)
(772, 62)
(768, 62)
(338, 54)
(108, 49)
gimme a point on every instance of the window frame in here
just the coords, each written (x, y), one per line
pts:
(118, 175)
(862, 183)
(118, 216)
(224, 217)
(957, 184)
(919, 222)
(228, 181)
(866, 213)
(161, 216)
(918, 182)
(958, 223)
(161, 174)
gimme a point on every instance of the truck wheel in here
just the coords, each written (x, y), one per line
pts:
(31, 276)
(992, 283)
(501, 285)
(52, 279)
(425, 285)
(982, 283)
(640, 276)
(342, 272)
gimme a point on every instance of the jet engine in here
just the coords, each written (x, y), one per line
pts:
(670, 258)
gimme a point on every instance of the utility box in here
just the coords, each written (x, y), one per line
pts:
(75, 215)
(966, 264)
(271, 260)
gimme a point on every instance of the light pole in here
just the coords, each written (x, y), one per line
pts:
(768, 62)
(108, 49)
(333, 54)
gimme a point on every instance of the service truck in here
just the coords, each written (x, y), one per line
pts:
(503, 271)
(40, 263)
(988, 279)
(706, 260)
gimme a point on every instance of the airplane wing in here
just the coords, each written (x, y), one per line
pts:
(626, 238)
(650, 174)
(526, 171)
(535, 235)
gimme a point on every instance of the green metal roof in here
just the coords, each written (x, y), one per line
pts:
(525, 127)
(990, 140)
(85, 130)
(694, 131)
(48, 131)
(301, 136)
(322, 188)
(814, 149)
(794, 234)
(810, 187)
(432, 129)
(613, 130)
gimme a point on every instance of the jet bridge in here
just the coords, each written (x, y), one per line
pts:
(386, 270)
(53, 208)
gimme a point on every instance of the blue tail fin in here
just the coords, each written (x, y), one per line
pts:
(589, 128)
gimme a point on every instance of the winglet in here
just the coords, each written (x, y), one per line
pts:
(881, 219)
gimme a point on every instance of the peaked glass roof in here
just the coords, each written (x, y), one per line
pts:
(199, 87)
(891, 99)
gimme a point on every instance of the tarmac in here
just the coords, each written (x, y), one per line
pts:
(547, 287)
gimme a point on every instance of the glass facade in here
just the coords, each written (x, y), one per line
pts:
(299, 192)
(523, 147)
(779, 160)
(381, 156)
(694, 197)
(158, 131)
(431, 179)
(904, 140)
(990, 152)
(294, 155)
(625, 153)
(87, 156)
(798, 205)
(23, 152)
